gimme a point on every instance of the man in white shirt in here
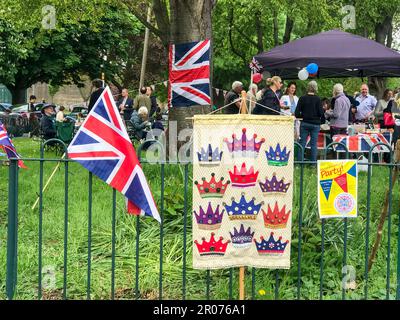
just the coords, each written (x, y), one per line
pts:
(367, 105)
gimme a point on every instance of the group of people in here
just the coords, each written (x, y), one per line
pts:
(311, 111)
(47, 123)
(142, 111)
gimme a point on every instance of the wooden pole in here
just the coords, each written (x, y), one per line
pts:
(241, 283)
(243, 110)
(243, 104)
(384, 211)
(48, 182)
(145, 49)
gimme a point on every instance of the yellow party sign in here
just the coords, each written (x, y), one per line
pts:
(337, 188)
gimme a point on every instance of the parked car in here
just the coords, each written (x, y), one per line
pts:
(83, 110)
(24, 111)
(5, 108)
(15, 123)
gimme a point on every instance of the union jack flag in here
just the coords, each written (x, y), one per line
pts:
(362, 142)
(255, 66)
(103, 147)
(189, 74)
(8, 147)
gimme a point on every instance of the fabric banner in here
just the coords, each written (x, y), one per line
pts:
(242, 191)
(337, 188)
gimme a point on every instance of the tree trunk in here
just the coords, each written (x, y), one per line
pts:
(276, 35)
(288, 29)
(161, 15)
(383, 29)
(18, 95)
(190, 21)
(383, 35)
(260, 32)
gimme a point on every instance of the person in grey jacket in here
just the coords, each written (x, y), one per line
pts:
(339, 115)
(139, 120)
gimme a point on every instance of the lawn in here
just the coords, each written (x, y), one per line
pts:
(149, 243)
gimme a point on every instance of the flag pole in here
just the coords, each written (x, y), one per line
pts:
(48, 181)
(145, 49)
(243, 110)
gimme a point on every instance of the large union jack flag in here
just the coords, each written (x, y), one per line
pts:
(189, 74)
(103, 147)
(8, 147)
(362, 142)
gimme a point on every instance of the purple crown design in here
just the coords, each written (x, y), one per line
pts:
(271, 246)
(209, 220)
(247, 148)
(242, 238)
(277, 157)
(274, 186)
(209, 156)
(243, 210)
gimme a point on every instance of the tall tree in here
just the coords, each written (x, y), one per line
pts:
(179, 22)
(375, 19)
(67, 51)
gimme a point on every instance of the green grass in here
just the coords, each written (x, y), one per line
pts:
(53, 234)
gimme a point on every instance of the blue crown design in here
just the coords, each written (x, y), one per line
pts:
(243, 210)
(271, 247)
(277, 157)
(209, 156)
(241, 238)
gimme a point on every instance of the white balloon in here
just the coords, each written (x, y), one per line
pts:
(266, 75)
(303, 74)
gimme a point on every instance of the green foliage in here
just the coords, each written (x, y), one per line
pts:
(173, 243)
(231, 58)
(84, 33)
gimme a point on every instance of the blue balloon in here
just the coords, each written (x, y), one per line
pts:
(312, 68)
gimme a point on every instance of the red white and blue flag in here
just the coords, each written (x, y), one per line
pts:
(189, 74)
(255, 66)
(363, 142)
(8, 147)
(103, 147)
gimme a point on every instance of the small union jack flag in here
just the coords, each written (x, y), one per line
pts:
(189, 74)
(8, 147)
(103, 147)
(255, 66)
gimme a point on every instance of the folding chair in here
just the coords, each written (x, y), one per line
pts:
(65, 133)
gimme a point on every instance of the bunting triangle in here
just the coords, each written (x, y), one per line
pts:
(342, 182)
(353, 171)
(326, 186)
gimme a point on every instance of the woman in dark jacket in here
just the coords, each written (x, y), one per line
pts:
(270, 101)
(310, 110)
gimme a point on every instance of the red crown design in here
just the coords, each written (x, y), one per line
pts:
(243, 178)
(212, 248)
(212, 189)
(276, 219)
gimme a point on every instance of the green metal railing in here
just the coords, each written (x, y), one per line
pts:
(12, 237)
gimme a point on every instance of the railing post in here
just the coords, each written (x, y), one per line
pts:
(12, 234)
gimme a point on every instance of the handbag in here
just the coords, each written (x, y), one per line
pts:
(388, 119)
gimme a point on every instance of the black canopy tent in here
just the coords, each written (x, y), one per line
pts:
(337, 54)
